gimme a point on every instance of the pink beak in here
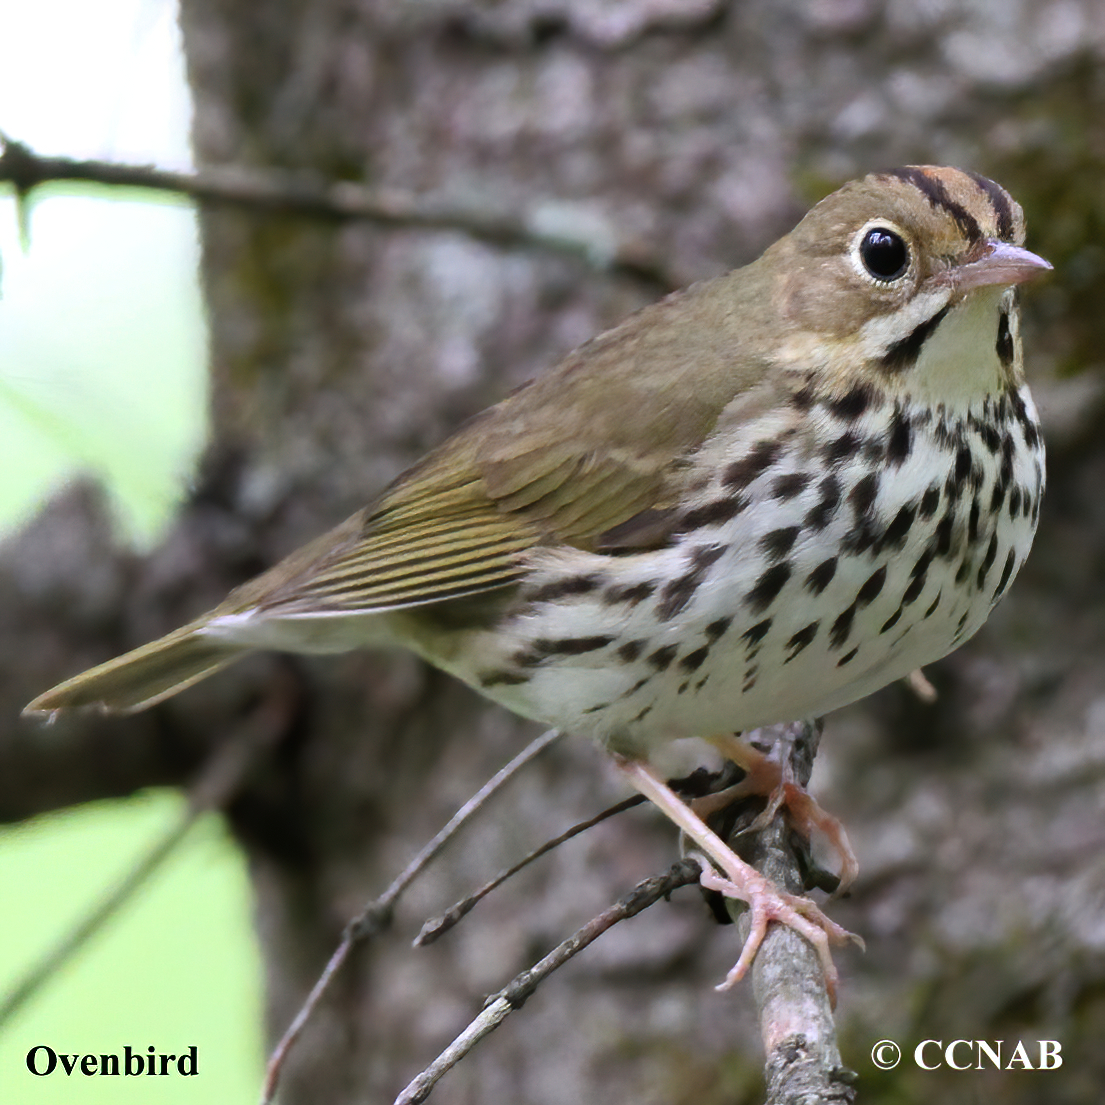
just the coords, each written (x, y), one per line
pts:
(999, 263)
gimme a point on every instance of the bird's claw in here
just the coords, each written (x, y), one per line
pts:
(767, 903)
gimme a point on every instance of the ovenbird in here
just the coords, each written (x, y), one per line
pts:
(754, 501)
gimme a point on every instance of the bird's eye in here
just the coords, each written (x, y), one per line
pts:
(884, 254)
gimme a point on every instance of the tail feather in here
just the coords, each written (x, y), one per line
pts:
(140, 678)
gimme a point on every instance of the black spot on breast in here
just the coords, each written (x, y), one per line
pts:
(805, 397)
(972, 520)
(677, 593)
(901, 439)
(913, 591)
(1004, 344)
(564, 588)
(933, 605)
(631, 650)
(741, 473)
(631, 594)
(990, 436)
(998, 497)
(790, 486)
(713, 513)
(1029, 426)
(892, 620)
(1015, 501)
(902, 355)
(963, 463)
(694, 660)
(929, 502)
(1006, 572)
(945, 435)
(861, 537)
(853, 403)
(543, 648)
(757, 633)
(871, 587)
(661, 659)
(768, 586)
(848, 657)
(715, 629)
(821, 576)
(987, 560)
(898, 530)
(863, 494)
(801, 640)
(779, 542)
(501, 678)
(819, 516)
(842, 627)
(1006, 473)
(942, 539)
(840, 449)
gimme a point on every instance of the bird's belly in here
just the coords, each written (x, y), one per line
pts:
(800, 603)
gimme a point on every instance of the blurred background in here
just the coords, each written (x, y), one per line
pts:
(102, 371)
(152, 464)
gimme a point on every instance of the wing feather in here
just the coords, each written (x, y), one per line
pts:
(595, 454)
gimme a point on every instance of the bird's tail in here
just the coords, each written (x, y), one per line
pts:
(140, 678)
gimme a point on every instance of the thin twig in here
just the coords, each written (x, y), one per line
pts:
(302, 194)
(694, 785)
(218, 782)
(438, 926)
(514, 996)
(376, 916)
(803, 1060)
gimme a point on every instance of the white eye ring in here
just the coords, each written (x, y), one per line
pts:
(880, 253)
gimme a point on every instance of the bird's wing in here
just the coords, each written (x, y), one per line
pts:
(593, 454)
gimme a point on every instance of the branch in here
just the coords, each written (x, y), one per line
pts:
(438, 926)
(515, 995)
(803, 1061)
(301, 194)
(376, 916)
(693, 786)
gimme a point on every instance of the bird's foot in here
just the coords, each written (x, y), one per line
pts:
(767, 903)
(766, 776)
(743, 882)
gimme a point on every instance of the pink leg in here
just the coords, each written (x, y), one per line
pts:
(739, 880)
(765, 776)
